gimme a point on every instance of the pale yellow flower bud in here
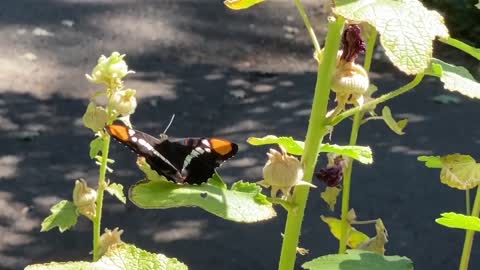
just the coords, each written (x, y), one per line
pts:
(123, 102)
(84, 198)
(108, 239)
(350, 82)
(95, 118)
(109, 70)
(282, 172)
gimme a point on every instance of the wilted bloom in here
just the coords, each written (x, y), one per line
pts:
(109, 70)
(95, 117)
(282, 172)
(84, 198)
(123, 102)
(108, 239)
(332, 175)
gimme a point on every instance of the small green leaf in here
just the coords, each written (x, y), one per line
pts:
(96, 146)
(460, 171)
(395, 126)
(119, 257)
(242, 203)
(407, 41)
(359, 260)
(455, 78)
(116, 190)
(64, 216)
(459, 221)
(288, 143)
(431, 161)
(241, 4)
(294, 147)
(330, 196)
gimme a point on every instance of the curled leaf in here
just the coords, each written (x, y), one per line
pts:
(395, 126)
(460, 171)
(355, 238)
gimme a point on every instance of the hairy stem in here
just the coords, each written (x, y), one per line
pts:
(316, 131)
(467, 245)
(302, 12)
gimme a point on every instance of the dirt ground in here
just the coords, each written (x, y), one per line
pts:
(222, 73)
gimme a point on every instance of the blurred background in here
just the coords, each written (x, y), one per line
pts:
(222, 73)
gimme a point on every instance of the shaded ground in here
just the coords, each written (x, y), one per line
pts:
(222, 73)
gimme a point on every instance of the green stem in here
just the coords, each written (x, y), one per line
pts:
(370, 49)
(475, 52)
(467, 246)
(101, 188)
(315, 133)
(467, 202)
(347, 183)
(409, 86)
(306, 21)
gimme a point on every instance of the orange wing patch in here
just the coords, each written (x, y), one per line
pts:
(223, 147)
(119, 132)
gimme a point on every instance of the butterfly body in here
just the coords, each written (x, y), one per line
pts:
(187, 160)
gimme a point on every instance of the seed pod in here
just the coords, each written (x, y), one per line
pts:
(84, 198)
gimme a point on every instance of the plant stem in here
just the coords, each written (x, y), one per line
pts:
(357, 119)
(302, 12)
(467, 202)
(475, 52)
(467, 246)
(102, 184)
(316, 131)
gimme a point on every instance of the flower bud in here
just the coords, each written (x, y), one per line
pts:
(95, 117)
(109, 70)
(108, 239)
(84, 198)
(123, 102)
(282, 172)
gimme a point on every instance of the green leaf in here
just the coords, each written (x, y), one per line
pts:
(294, 147)
(96, 146)
(406, 29)
(460, 171)
(119, 257)
(395, 126)
(241, 4)
(288, 143)
(359, 260)
(455, 78)
(244, 202)
(355, 237)
(64, 216)
(459, 221)
(330, 196)
(116, 190)
(431, 161)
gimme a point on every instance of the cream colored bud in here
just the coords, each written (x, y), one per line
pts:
(282, 172)
(108, 239)
(350, 78)
(95, 118)
(124, 102)
(109, 70)
(84, 198)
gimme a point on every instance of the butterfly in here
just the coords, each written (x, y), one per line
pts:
(187, 160)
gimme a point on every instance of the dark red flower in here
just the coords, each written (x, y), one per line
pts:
(332, 176)
(352, 42)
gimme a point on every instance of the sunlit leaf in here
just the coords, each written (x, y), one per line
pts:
(241, 4)
(395, 126)
(60, 266)
(406, 29)
(96, 146)
(459, 221)
(460, 171)
(431, 161)
(244, 202)
(288, 143)
(330, 196)
(355, 238)
(64, 216)
(359, 260)
(455, 78)
(116, 190)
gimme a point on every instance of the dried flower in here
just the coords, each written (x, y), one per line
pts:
(84, 198)
(124, 102)
(282, 172)
(332, 175)
(95, 117)
(109, 70)
(108, 239)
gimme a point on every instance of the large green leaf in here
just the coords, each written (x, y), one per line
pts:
(294, 147)
(119, 257)
(244, 202)
(359, 260)
(406, 29)
(459, 221)
(64, 215)
(455, 78)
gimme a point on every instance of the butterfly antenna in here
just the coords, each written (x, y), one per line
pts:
(169, 124)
